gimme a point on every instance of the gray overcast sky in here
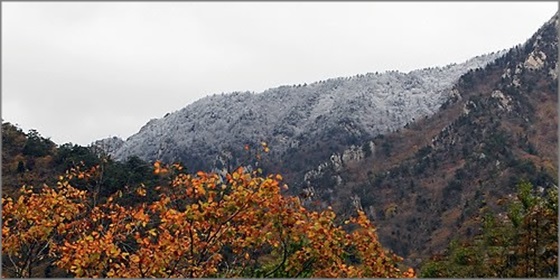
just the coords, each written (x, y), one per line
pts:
(83, 71)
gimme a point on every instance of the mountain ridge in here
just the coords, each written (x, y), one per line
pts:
(288, 115)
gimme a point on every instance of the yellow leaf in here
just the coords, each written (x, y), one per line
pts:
(141, 191)
(135, 259)
(114, 252)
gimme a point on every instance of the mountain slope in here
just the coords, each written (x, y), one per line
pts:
(420, 152)
(316, 119)
(427, 183)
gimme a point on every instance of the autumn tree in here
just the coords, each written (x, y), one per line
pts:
(191, 225)
(33, 223)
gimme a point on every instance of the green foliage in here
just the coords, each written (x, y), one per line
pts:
(387, 148)
(521, 243)
(69, 155)
(366, 148)
(36, 145)
(20, 167)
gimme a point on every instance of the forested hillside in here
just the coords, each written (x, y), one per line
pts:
(426, 184)
(440, 172)
(101, 218)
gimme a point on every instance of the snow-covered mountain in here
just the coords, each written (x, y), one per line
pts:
(345, 110)
(108, 145)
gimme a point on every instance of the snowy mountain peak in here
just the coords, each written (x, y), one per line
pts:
(353, 108)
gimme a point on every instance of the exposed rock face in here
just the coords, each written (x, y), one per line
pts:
(535, 60)
(505, 101)
(354, 153)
